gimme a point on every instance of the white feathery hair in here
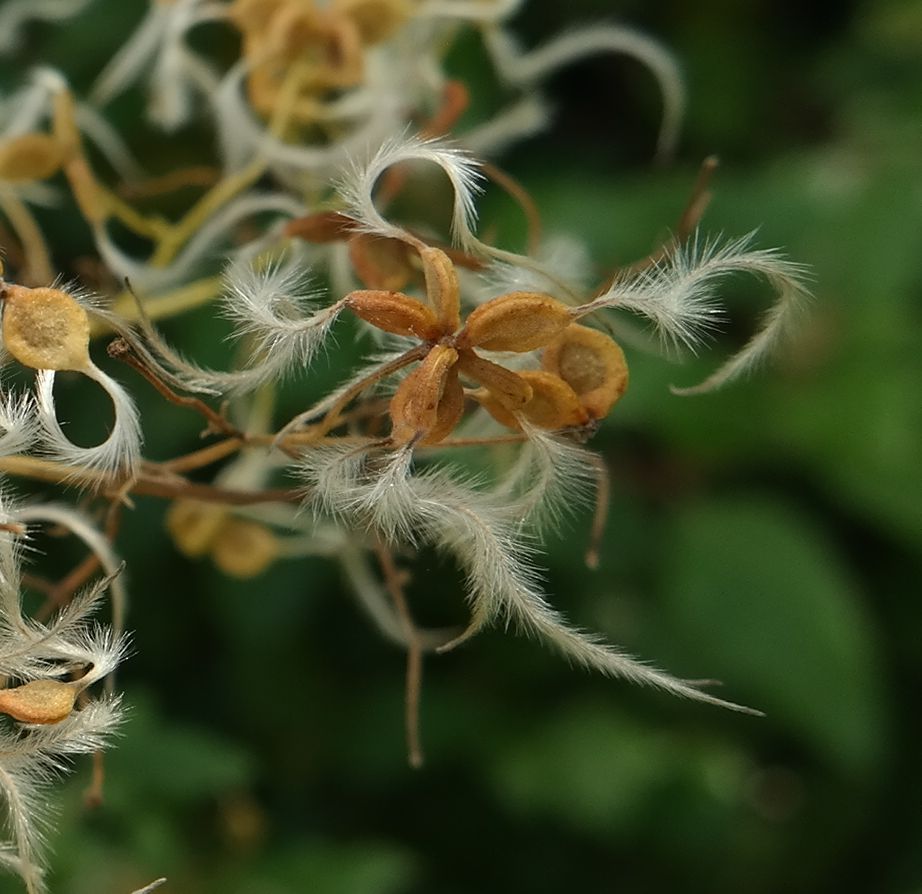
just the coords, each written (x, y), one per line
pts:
(484, 533)
(678, 296)
(158, 46)
(525, 69)
(357, 184)
(31, 755)
(518, 121)
(369, 114)
(209, 242)
(118, 455)
(18, 424)
(275, 308)
(469, 10)
(84, 529)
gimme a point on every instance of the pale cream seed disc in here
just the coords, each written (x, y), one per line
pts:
(45, 328)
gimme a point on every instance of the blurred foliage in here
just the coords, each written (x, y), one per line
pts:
(769, 535)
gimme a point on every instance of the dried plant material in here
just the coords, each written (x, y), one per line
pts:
(41, 701)
(396, 313)
(45, 328)
(519, 321)
(194, 525)
(592, 364)
(243, 548)
(32, 156)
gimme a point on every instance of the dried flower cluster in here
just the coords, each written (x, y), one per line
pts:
(327, 113)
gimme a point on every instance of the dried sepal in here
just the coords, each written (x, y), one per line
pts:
(381, 263)
(394, 312)
(592, 364)
(45, 328)
(414, 408)
(517, 321)
(442, 287)
(39, 701)
(553, 405)
(509, 389)
(31, 156)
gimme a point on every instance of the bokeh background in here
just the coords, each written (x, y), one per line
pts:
(769, 535)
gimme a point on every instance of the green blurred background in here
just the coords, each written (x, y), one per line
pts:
(769, 536)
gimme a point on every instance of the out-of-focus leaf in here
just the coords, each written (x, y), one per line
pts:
(763, 602)
(318, 867)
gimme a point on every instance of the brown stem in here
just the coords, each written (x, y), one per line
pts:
(414, 676)
(119, 349)
(146, 484)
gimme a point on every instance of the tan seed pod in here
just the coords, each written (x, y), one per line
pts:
(244, 548)
(414, 408)
(449, 411)
(394, 312)
(592, 364)
(506, 387)
(381, 263)
(45, 328)
(442, 288)
(32, 156)
(41, 701)
(518, 321)
(194, 526)
(554, 405)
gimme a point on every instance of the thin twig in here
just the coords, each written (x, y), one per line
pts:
(119, 349)
(414, 676)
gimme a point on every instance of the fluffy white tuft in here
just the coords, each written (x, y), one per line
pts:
(119, 455)
(525, 69)
(485, 534)
(358, 185)
(678, 296)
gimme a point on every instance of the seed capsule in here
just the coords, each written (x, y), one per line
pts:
(243, 548)
(506, 387)
(395, 312)
(45, 328)
(380, 263)
(41, 701)
(32, 156)
(518, 321)
(592, 364)
(194, 526)
(554, 405)
(414, 408)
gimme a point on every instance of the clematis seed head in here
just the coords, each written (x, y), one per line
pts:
(45, 328)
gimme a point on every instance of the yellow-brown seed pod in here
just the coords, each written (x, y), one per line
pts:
(244, 548)
(554, 405)
(380, 263)
(506, 386)
(592, 364)
(194, 525)
(518, 321)
(32, 156)
(394, 312)
(414, 408)
(41, 701)
(45, 328)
